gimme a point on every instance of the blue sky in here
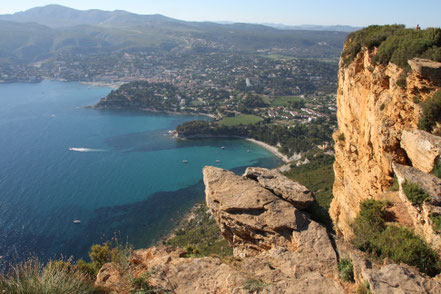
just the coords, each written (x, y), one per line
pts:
(290, 12)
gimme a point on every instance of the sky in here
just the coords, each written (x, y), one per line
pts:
(426, 13)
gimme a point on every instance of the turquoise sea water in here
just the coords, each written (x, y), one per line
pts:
(125, 177)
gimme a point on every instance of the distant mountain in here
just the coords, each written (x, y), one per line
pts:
(57, 16)
(42, 32)
(335, 28)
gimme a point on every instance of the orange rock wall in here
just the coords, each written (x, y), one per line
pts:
(372, 112)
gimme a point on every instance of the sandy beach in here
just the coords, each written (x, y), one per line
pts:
(102, 84)
(270, 148)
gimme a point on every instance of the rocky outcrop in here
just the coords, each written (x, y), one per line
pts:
(281, 186)
(373, 111)
(392, 278)
(422, 148)
(420, 214)
(261, 215)
(427, 69)
(251, 217)
(277, 248)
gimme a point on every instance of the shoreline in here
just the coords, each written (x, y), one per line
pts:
(154, 111)
(268, 147)
(102, 84)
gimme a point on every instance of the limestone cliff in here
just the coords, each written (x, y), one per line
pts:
(375, 107)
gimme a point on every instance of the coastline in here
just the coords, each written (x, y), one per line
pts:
(268, 147)
(102, 84)
(153, 110)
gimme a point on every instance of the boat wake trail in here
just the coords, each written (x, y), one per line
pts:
(81, 149)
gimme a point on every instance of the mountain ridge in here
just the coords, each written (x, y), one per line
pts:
(56, 16)
(44, 32)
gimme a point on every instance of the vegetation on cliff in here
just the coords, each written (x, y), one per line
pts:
(317, 176)
(395, 44)
(33, 276)
(380, 240)
(200, 234)
(414, 193)
(346, 270)
(431, 112)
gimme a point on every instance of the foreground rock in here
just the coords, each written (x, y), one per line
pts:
(251, 217)
(259, 215)
(277, 248)
(392, 278)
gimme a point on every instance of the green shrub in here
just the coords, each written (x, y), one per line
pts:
(402, 245)
(437, 167)
(56, 277)
(346, 270)
(87, 268)
(191, 251)
(436, 222)
(141, 285)
(395, 185)
(395, 44)
(431, 112)
(369, 37)
(382, 106)
(402, 81)
(414, 193)
(372, 235)
(101, 254)
(254, 285)
(363, 288)
(341, 137)
(202, 234)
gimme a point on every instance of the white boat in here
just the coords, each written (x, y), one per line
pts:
(77, 221)
(185, 161)
(218, 161)
(222, 147)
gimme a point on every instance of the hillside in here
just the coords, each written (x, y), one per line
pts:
(42, 32)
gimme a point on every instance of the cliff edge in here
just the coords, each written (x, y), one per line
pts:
(379, 104)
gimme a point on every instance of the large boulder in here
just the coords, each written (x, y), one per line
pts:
(422, 148)
(251, 217)
(281, 186)
(426, 68)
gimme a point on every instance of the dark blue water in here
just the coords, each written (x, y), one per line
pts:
(126, 177)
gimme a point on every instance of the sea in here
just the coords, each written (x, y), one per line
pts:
(117, 173)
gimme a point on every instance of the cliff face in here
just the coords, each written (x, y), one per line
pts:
(373, 111)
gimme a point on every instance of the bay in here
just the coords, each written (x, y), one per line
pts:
(119, 172)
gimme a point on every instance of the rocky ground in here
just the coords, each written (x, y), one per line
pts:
(277, 248)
